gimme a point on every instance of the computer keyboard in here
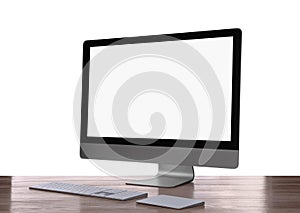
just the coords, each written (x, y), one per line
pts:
(116, 194)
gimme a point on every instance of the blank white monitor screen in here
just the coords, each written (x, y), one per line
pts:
(218, 52)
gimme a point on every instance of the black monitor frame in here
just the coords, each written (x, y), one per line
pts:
(235, 106)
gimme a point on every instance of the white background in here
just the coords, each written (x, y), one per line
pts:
(41, 57)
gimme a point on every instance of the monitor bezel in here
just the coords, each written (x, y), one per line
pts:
(233, 144)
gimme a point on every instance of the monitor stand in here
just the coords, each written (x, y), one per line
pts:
(168, 176)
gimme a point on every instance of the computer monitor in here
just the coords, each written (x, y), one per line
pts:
(170, 99)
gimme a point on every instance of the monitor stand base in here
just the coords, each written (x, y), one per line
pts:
(168, 176)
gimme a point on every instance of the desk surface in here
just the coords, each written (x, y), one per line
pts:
(221, 194)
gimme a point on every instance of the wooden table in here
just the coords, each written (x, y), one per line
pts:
(221, 194)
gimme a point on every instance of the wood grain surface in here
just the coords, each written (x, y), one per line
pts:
(221, 194)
